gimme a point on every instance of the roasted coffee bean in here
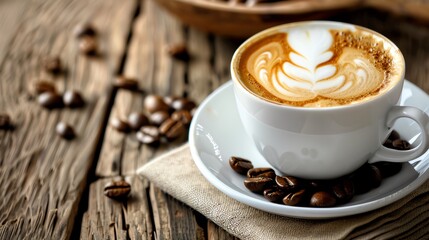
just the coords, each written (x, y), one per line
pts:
(53, 65)
(5, 122)
(136, 120)
(294, 198)
(157, 118)
(183, 104)
(172, 129)
(240, 165)
(394, 135)
(154, 103)
(287, 182)
(169, 99)
(120, 125)
(65, 131)
(126, 83)
(388, 169)
(88, 45)
(148, 135)
(274, 194)
(84, 30)
(73, 99)
(322, 199)
(43, 86)
(400, 144)
(361, 180)
(182, 115)
(50, 100)
(261, 172)
(179, 51)
(343, 190)
(117, 189)
(375, 176)
(258, 184)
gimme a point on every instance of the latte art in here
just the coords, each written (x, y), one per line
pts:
(316, 66)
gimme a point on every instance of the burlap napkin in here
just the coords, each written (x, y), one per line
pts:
(407, 218)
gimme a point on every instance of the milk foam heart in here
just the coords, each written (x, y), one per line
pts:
(317, 66)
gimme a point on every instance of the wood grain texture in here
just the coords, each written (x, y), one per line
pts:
(42, 176)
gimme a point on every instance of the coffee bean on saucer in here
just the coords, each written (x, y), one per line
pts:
(53, 65)
(183, 116)
(154, 103)
(172, 129)
(258, 184)
(179, 51)
(240, 165)
(84, 30)
(120, 125)
(394, 135)
(274, 194)
(183, 104)
(42, 86)
(343, 190)
(294, 198)
(400, 144)
(73, 99)
(287, 182)
(136, 120)
(5, 121)
(149, 135)
(322, 199)
(361, 180)
(88, 45)
(261, 172)
(65, 131)
(157, 118)
(50, 100)
(126, 83)
(117, 189)
(388, 169)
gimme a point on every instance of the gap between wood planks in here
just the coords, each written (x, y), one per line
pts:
(92, 177)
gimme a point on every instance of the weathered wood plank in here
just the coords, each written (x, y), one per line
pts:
(42, 176)
(111, 219)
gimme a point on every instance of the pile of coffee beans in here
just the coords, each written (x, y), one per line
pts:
(163, 119)
(293, 191)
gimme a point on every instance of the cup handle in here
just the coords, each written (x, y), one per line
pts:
(392, 155)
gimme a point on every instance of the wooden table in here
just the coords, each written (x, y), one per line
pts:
(52, 188)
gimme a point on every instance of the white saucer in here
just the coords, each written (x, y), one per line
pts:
(216, 134)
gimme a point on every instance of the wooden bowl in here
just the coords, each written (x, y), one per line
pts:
(236, 19)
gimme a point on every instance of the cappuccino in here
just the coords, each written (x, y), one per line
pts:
(318, 65)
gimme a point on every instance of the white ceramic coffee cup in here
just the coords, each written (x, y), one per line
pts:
(327, 142)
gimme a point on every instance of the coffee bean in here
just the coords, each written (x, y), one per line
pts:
(126, 83)
(361, 180)
(136, 120)
(84, 30)
(179, 51)
(294, 198)
(261, 172)
(375, 176)
(157, 118)
(65, 131)
(43, 86)
(394, 135)
(120, 125)
(388, 169)
(5, 122)
(148, 135)
(400, 144)
(287, 182)
(274, 194)
(322, 199)
(183, 104)
(88, 45)
(343, 190)
(240, 165)
(53, 65)
(258, 184)
(182, 115)
(117, 189)
(172, 129)
(155, 103)
(50, 100)
(73, 99)
(169, 99)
